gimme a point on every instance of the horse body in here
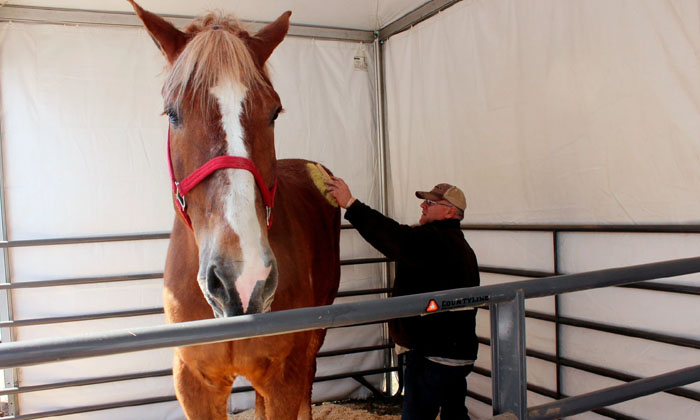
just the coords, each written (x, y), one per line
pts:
(281, 368)
(226, 257)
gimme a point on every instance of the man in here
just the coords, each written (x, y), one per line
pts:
(431, 256)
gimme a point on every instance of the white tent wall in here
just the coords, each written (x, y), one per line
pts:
(550, 112)
(84, 154)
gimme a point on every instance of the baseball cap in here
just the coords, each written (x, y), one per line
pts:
(446, 192)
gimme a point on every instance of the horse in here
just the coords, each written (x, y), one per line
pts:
(251, 233)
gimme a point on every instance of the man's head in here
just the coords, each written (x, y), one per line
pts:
(443, 202)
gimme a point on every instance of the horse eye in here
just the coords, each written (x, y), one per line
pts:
(277, 113)
(173, 116)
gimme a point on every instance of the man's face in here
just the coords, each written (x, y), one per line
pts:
(435, 210)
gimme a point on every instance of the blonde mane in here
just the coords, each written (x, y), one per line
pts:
(217, 51)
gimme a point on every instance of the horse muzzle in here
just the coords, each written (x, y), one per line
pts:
(237, 287)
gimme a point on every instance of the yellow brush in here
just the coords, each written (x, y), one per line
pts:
(319, 174)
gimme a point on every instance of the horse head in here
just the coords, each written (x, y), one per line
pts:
(222, 110)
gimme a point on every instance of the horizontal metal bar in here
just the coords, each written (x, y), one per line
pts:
(84, 239)
(414, 17)
(257, 325)
(515, 272)
(601, 371)
(545, 392)
(658, 287)
(146, 401)
(158, 373)
(530, 387)
(76, 318)
(84, 382)
(30, 14)
(629, 332)
(354, 350)
(479, 397)
(80, 280)
(90, 408)
(694, 228)
(363, 292)
(132, 277)
(139, 312)
(690, 229)
(679, 392)
(665, 287)
(571, 406)
(358, 261)
(358, 373)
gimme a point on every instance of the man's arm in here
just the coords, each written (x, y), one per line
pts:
(389, 237)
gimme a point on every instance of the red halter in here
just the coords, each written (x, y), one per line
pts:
(180, 189)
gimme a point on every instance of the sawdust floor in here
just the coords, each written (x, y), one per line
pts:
(372, 409)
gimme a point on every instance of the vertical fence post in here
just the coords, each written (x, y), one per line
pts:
(380, 113)
(508, 376)
(6, 334)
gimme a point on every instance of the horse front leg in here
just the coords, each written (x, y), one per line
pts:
(202, 396)
(283, 386)
(314, 346)
(259, 407)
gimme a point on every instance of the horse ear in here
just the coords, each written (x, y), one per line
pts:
(269, 37)
(167, 37)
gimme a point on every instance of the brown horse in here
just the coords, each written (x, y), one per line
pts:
(226, 257)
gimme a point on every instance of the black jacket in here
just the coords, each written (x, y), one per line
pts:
(430, 257)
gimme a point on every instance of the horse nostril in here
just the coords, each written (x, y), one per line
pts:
(215, 284)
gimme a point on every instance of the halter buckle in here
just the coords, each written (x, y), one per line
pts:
(268, 214)
(180, 198)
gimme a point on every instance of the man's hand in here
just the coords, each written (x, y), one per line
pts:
(339, 189)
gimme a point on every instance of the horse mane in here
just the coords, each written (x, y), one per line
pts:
(216, 51)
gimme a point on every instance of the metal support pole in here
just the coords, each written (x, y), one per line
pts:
(6, 334)
(557, 313)
(509, 378)
(380, 109)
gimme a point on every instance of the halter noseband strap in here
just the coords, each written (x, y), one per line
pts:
(180, 189)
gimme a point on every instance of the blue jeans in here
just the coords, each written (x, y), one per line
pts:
(431, 388)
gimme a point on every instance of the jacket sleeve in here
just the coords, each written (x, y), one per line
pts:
(389, 237)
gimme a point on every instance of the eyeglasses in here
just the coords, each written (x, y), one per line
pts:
(432, 203)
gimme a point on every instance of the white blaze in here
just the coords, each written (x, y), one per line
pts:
(239, 200)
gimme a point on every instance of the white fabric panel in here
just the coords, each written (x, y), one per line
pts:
(99, 366)
(85, 154)
(544, 304)
(479, 384)
(549, 111)
(98, 394)
(671, 313)
(161, 411)
(539, 335)
(633, 356)
(84, 149)
(579, 251)
(59, 262)
(513, 249)
(329, 107)
(358, 14)
(478, 410)
(646, 310)
(558, 112)
(482, 386)
(539, 372)
(659, 406)
(87, 299)
(588, 416)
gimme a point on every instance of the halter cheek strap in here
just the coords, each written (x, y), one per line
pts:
(180, 189)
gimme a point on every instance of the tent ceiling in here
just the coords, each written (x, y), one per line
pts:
(356, 14)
